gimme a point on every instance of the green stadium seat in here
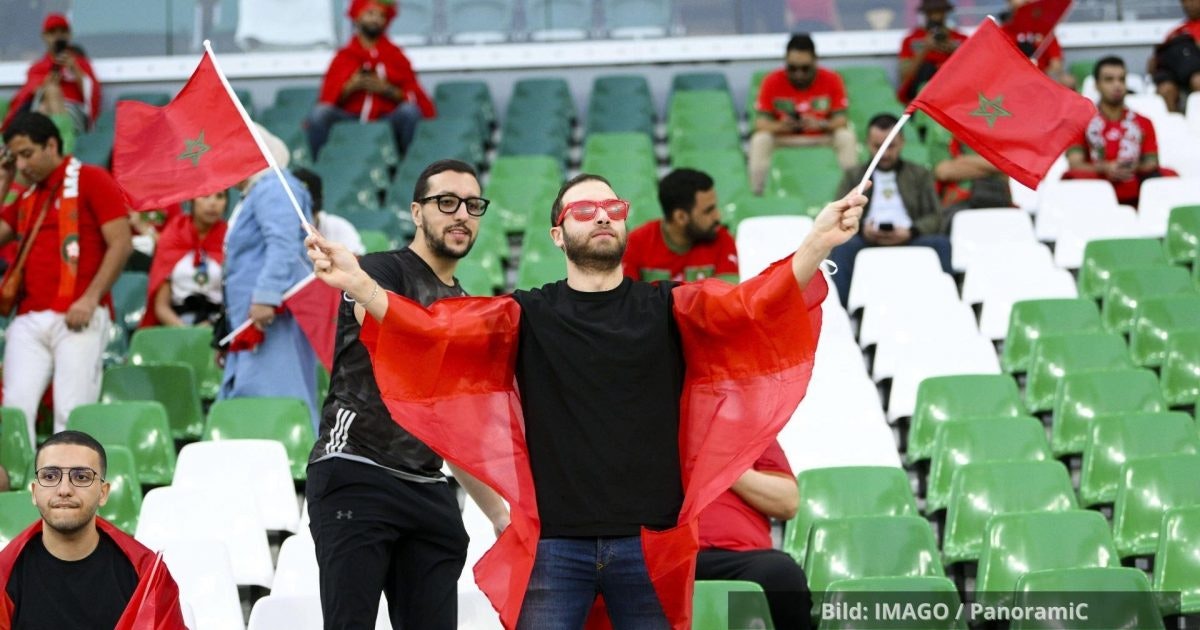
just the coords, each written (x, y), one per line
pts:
(869, 546)
(1102, 257)
(129, 298)
(16, 447)
(533, 142)
(1177, 561)
(467, 91)
(94, 148)
(190, 345)
(416, 27)
(380, 220)
(286, 122)
(984, 440)
(983, 490)
(924, 589)
(1119, 438)
(713, 607)
(858, 76)
(376, 241)
(1085, 395)
(475, 279)
(643, 166)
(843, 492)
(1032, 319)
(1081, 70)
(297, 96)
(961, 397)
(543, 90)
(622, 116)
(524, 168)
(285, 420)
(140, 426)
(719, 139)
(479, 21)
(618, 144)
(17, 513)
(637, 18)
(1057, 355)
(172, 384)
(520, 204)
(621, 85)
(1181, 368)
(1155, 320)
(751, 206)
(1121, 596)
(533, 272)
(684, 81)
(700, 104)
(1149, 487)
(1126, 288)
(1183, 234)
(1021, 543)
(124, 490)
(727, 168)
(809, 173)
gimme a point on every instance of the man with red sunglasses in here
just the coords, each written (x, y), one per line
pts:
(608, 412)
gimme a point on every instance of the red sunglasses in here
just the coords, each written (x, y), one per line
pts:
(585, 209)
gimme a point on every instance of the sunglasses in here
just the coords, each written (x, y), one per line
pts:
(584, 210)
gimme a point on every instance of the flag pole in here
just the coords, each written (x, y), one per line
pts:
(1037, 54)
(879, 154)
(262, 146)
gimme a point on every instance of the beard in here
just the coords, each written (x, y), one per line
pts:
(602, 257)
(436, 242)
(370, 31)
(696, 235)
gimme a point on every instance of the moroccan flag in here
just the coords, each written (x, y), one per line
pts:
(154, 605)
(315, 307)
(1038, 17)
(991, 97)
(195, 145)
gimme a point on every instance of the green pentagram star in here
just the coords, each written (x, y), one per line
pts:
(991, 109)
(193, 149)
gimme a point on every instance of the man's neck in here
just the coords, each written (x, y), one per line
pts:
(367, 42)
(71, 547)
(1112, 112)
(676, 238)
(590, 281)
(442, 267)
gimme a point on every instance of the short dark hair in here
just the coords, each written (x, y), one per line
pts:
(312, 183)
(36, 126)
(1111, 60)
(556, 207)
(802, 42)
(678, 189)
(883, 121)
(77, 438)
(421, 189)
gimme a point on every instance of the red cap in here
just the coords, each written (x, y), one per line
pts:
(55, 20)
(358, 6)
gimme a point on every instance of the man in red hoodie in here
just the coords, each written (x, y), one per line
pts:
(73, 570)
(61, 82)
(369, 79)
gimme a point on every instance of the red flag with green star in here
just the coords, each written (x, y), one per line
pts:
(991, 97)
(194, 146)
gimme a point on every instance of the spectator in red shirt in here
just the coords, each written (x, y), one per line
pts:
(688, 243)
(926, 48)
(1118, 144)
(1175, 63)
(735, 538)
(73, 223)
(800, 105)
(1050, 57)
(61, 82)
(369, 79)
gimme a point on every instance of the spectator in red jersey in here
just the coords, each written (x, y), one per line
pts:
(369, 79)
(688, 243)
(926, 48)
(800, 105)
(1175, 63)
(735, 538)
(1119, 144)
(60, 83)
(1049, 55)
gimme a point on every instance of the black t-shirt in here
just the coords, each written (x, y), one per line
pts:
(600, 376)
(355, 423)
(88, 594)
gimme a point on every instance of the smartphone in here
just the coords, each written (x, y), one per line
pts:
(60, 46)
(886, 227)
(787, 107)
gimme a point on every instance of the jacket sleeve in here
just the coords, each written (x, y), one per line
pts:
(282, 233)
(929, 214)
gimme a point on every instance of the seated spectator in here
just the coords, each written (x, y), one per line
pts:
(185, 277)
(735, 538)
(1175, 64)
(369, 79)
(146, 226)
(1049, 56)
(926, 48)
(688, 243)
(331, 226)
(61, 84)
(902, 209)
(1119, 144)
(71, 569)
(800, 105)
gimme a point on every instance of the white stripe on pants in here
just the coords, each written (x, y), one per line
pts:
(39, 347)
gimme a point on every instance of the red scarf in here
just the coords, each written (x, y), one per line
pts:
(67, 206)
(178, 239)
(385, 59)
(749, 353)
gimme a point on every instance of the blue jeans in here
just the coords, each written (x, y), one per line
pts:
(843, 256)
(403, 120)
(569, 573)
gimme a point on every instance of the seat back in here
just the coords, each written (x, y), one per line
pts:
(959, 397)
(1033, 319)
(1149, 487)
(923, 590)
(169, 344)
(172, 384)
(1084, 395)
(1127, 287)
(1102, 257)
(284, 420)
(869, 546)
(722, 604)
(956, 444)
(1177, 561)
(1055, 356)
(1119, 438)
(139, 425)
(203, 571)
(17, 513)
(124, 489)
(225, 466)
(842, 492)
(1154, 321)
(16, 447)
(1121, 596)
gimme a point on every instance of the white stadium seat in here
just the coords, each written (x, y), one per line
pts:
(971, 229)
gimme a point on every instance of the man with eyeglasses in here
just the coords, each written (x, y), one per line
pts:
(608, 412)
(72, 569)
(800, 104)
(382, 514)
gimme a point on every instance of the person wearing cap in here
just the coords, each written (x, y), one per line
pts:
(927, 47)
(61, 84)
(369, 79)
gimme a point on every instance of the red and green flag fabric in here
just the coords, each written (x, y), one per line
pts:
(1037, 17)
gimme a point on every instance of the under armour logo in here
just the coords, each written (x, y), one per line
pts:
(348, 515)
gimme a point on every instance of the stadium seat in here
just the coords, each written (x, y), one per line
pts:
(124, 490)
(918, 590)
(558, 20)
(536, 270)
(971, 229)
(637, 18)
(879, 267)
(957, 444)
(844, 492)
(1082, 396)
(976, 357)
(619, 144)
(129, 298)
(17, 512)
(727, 168)
(376, 241)
(525, 167)
(1102, 257)
(869, 546)
(1180, 378)
(995, 266)
(716, 607)
(750, 206)
(1149, 487)
(190, 345)
(283, 420)
(1119, 438)
(534, 143)
(296, 570)
(553, 89)
(1177, 560)
(1021, 543)
(809, 173)
(519, 205)
(140, 426)
(418, 25)
(204, 574)
(1159, 195)
(16, 447)
(225, 466)
(94, 148)
(690, 108)
(699, 81)
(984, 489)
(1080, 226)
(919, 330)
(475, 279)
(172, 384)
(900, 308)
(1032, 319)
(960, 397)
(1183, 234)
(1054, 196)
(1127, 287)
(1055, 356)
(764, 240)
(299, 96)
(1155, 320)
(296, 612)
(1121, 596)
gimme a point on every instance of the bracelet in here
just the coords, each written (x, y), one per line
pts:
(374, 294)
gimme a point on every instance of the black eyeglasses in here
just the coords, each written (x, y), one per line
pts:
(449, 204)
(51, 476)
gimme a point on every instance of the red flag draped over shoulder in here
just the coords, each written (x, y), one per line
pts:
(447, 374)
(178, 239)
(991, 97)
(193, 146)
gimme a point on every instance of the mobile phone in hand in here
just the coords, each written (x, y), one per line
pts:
(886, 226)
